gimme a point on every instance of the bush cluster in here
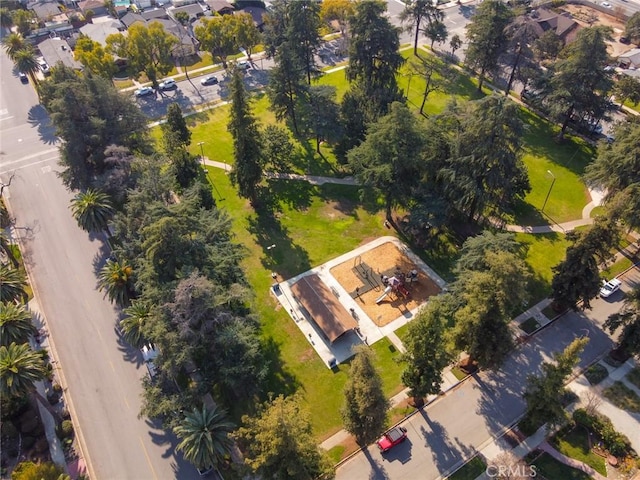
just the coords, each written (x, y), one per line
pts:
(616, 443)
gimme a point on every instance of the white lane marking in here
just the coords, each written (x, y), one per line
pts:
(6, 118)
(29, 157)
(27, 165)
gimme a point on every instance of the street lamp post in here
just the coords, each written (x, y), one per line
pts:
(201, 153)
(550, 187)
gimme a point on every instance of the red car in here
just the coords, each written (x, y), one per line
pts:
(392, 438)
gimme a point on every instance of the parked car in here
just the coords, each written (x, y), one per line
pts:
(610, 287)
(168, 84)
(392, 438)
(149, 354)
(606, 5)
(23, 77)
(243, 65)
(209, 81)
(143, 92)
(44, 67)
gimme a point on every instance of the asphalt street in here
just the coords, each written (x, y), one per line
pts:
(458, 425)
(101, 373)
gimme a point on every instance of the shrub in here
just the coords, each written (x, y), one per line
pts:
(42, 445)
(596, 373)
(616, 443)
(66, 429)
(65, 414)
(28, 423)
(8, 429)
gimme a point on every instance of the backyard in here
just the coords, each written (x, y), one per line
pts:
(311, 224)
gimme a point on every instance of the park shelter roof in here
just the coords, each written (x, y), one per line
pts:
(323, 307)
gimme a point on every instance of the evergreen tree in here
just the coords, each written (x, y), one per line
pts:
(544, 393)
(487, 37)
(374, 59)
(632, 27)
(303, 34)
(247, 170)
(364, 413)
(580, 84)
(176, 127)
(426, 354)
(485, 173)
(279, 443)
(629, 319)
(389, 158)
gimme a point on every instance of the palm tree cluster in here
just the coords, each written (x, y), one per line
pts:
(22, 54)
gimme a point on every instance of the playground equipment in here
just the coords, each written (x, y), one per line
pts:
(386, 292)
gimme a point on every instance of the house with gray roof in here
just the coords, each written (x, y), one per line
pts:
(56, 50)
(96, 6)
(630, 59)
(45, 10)
(131, 18)
(98, 32)
(194, 11)
(221, 7)
(155, 13)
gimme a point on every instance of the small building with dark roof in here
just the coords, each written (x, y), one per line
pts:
(256, 13)
(45, 10)
(221, 7)
(562, 25)
(96, 6)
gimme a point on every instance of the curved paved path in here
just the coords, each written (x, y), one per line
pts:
(564, 227)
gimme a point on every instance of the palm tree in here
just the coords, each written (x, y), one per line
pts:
(204, 436)
(25, 61)
(92, 210)
(15, 324)
(20, 368)
(116, 278)
(12, 44)
(136, 316)
(13, 282)
(5, 246)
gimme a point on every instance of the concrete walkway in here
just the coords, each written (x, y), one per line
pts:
(320, 180)
(623, 421)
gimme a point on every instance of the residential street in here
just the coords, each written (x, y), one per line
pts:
(453, 428)
(101, 373)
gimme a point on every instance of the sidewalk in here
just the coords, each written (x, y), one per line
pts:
(622, 421)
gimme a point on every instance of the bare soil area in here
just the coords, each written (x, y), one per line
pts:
(582, 14)
(385, 258)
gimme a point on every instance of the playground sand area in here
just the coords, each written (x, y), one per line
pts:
(385, 258)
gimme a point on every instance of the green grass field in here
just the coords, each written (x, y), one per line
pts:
(471, 470)
(551, 468)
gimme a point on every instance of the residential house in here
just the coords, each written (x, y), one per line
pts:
(98, 32)
(56, 50)
(154, 14)
(130, 18)
(194, 11)
(96, 6)
(256, 13)
(186, 44)
(45, 10)
(221, 7)
(142, 4)
(562, 24)
(630, 60)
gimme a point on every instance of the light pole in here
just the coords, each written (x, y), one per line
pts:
(549, 192)
(201, 153)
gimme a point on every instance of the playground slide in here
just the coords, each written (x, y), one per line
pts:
(384, 294)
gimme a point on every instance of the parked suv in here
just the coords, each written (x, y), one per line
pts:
(168, 84)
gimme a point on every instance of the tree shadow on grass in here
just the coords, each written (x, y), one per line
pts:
(294, 193)
(279, 380)
(541, 140)
(281, 255)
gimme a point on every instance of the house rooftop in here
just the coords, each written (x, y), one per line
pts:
(55, 50)
(99, 32)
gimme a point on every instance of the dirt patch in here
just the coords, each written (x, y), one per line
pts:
(582, 14)
(385, 258)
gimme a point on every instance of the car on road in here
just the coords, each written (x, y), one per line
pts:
(23, 77)
(392, 438)
(149, 354)
(606, 5)
(44, 67)
(143, 92)
(168, 84)
(243, 65)
(209, 81)
(610, 287)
